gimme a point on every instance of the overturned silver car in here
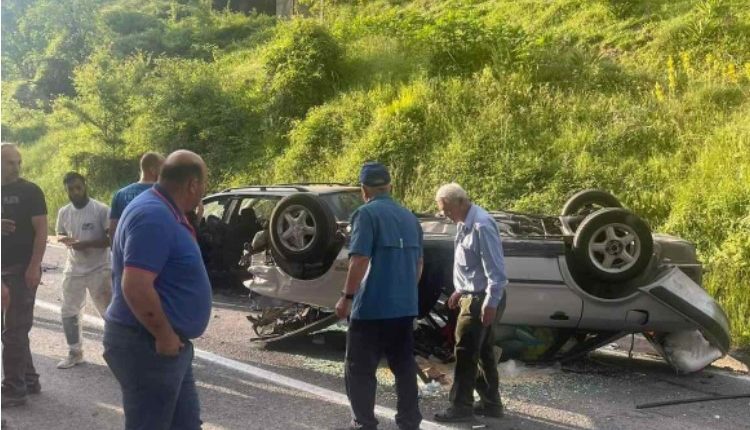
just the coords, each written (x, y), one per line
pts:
(578, 281)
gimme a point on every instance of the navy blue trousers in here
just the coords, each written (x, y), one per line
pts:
(366, 342)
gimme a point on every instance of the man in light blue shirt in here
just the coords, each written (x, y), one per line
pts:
(479, 280)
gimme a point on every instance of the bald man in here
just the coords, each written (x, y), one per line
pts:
(24, 230)
(161, 300)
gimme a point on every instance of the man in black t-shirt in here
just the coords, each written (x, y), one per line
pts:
(24, 230)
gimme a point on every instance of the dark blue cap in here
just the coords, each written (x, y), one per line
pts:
(374, 174)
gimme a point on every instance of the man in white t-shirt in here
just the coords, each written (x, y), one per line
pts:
(82, 227)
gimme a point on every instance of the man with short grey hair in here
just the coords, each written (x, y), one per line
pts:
(479, 280)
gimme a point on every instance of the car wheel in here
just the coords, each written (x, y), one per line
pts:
(302, 228)
(587, 201)
(613, 244)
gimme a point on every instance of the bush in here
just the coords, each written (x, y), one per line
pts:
(728, 279)
(302, 66)
(326, 134)
(185, 106)
(708, 214)
(127, 22)
(20, 124)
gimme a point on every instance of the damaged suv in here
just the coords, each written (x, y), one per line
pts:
(577, 281)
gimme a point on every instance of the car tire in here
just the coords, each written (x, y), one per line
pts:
(582, 202)
(613, 244)
(302, 228)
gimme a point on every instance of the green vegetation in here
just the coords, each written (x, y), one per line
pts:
(523, 102)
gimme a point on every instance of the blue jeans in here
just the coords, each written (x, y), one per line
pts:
(157, 392)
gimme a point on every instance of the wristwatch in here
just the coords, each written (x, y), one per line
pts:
(347, 296)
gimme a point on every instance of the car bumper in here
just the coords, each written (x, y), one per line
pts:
(270, 281)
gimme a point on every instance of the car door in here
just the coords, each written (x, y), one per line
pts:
(537, 294)
(212, 230)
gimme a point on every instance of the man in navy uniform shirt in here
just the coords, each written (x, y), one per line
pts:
(381, 296)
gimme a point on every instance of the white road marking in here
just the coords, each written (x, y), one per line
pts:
(324, 393)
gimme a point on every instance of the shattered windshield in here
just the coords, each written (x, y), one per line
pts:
(343, 204)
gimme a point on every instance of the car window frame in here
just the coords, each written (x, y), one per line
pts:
(227, 206)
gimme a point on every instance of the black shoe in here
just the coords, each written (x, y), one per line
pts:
(355, 426)
(10, 401)
(490, 412)
(351, 427)
(452, 415)
(34, 388)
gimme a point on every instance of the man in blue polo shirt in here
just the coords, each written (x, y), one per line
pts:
(384, 269)
(161, 300)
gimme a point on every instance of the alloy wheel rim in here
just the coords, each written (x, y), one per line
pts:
(297, 229)
(614, 248)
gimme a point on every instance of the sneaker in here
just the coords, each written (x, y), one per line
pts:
(73, 358)
(34, 388)
(482, 410)
(453, 415)
(10, 401)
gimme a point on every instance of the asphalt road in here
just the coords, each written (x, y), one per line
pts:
(300, 385)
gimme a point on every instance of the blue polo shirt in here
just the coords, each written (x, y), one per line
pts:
(153, 235)
(391, 236)
(124, 196)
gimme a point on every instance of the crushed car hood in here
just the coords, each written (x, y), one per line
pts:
(690, 350)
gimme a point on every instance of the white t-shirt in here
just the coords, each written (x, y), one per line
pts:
(88, 223)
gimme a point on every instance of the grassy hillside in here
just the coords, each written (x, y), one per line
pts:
(523, 102)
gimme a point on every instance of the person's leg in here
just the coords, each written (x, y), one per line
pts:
(151, 384)
(487, 384)
(18, 367)
(100, 290)
(399, 349)
(468, 331)
(73, 300)
(187, 414)
(362, 357)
